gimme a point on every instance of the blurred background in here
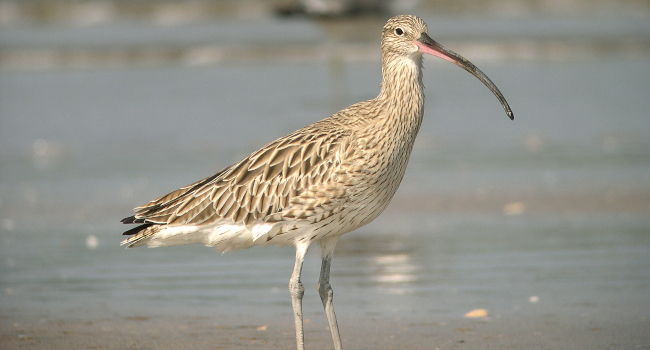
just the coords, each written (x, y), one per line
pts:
(543, 223)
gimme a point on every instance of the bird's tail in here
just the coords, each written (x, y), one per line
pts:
(139, 235)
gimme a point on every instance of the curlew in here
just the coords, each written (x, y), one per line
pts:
(315, 184)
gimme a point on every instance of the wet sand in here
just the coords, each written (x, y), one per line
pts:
(188, 332)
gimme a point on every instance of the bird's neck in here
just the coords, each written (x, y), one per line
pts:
(401, 78)
(402, 94)
(401, 84)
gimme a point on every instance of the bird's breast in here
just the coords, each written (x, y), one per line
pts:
(381, 160)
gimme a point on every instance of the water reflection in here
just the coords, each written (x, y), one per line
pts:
(395, 272)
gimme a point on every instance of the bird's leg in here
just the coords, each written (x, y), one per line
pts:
(297, 291)
(325, 289)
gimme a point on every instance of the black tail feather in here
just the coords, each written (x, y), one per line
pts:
(132, 220)
(135, 229)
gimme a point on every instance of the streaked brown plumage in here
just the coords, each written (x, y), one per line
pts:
(316, 183)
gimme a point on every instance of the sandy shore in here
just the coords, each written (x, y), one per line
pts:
(191, 332)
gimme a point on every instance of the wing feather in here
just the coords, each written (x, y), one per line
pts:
(294, 176)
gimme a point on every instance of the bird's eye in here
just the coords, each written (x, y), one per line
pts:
(399, 31)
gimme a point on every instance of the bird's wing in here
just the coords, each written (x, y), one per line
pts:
(292, 177)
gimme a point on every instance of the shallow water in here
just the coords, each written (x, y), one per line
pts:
(553, 205)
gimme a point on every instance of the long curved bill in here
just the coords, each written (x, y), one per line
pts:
(430, 46)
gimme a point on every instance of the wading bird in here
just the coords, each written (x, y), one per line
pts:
(315, 184)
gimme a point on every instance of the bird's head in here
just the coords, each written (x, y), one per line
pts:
(405, 36)
(400, 35)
